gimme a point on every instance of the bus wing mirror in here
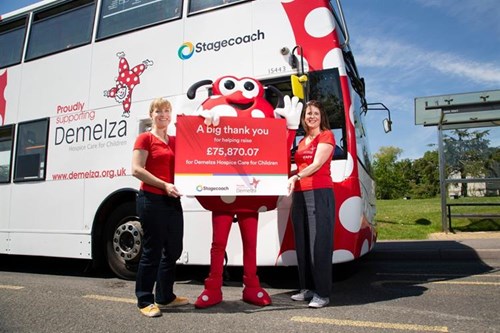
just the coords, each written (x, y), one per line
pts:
(298, 85)
(381, 107)
(387, 125)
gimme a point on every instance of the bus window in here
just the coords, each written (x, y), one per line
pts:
(124, 16)
(324, 86)
(60, 28)
(6, 145)
(31, 150)
(203, 5)
(364, 155)
(11, 42)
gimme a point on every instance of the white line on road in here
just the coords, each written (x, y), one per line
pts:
(370, 324)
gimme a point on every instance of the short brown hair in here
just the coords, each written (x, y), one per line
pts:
(159, 103)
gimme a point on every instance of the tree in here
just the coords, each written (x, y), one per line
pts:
(388, 176)
(425, 183)
(492, 166)
(465, 153)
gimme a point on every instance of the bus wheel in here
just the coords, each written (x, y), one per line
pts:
(123, 241)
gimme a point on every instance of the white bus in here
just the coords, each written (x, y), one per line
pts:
(76, 80)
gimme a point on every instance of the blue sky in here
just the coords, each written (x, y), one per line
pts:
(417, 48)
(414, 48)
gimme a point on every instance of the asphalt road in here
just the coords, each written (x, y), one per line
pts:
(380, 293)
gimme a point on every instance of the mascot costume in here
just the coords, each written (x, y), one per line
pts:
(239, 97)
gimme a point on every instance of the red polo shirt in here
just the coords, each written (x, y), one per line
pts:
(304, 156)
(160, 161)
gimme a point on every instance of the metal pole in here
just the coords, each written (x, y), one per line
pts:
(442, 183)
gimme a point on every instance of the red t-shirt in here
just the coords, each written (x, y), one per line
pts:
(304, 156)
(160, 161)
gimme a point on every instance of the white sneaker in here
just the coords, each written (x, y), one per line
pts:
(319, 302)
(303, 295)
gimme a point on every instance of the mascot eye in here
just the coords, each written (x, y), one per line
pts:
(249, 86)
(226, 87)
(229, 84)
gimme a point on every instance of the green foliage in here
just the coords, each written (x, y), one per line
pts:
(425, 183)
(467, 155)
(388, 176)
(399, 179)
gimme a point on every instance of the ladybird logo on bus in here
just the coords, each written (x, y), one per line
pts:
(187, 49)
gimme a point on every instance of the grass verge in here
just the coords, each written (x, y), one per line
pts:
(417, 218)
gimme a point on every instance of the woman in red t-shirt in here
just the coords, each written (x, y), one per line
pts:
(160, 211)
(313, 207)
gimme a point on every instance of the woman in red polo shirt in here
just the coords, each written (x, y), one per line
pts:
(160, 211)
(313, 208)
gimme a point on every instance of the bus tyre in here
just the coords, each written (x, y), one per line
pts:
(124, 241)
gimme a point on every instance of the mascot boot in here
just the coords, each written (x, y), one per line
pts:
(212, 294)
(253, 293)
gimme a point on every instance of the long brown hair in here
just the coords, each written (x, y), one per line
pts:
(324, 124)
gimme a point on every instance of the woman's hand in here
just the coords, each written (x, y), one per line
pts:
(291, 183)
(172, 190)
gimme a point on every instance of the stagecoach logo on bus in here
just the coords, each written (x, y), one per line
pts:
(187, 49)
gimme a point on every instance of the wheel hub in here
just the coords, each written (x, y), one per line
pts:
(127, 240)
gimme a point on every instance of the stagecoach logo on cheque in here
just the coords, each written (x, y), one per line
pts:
(187, 49)
(203, 188)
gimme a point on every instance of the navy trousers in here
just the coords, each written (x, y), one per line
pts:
(163, 226)
(313, 217)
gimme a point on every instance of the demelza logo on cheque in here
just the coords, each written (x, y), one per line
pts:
(187, 49)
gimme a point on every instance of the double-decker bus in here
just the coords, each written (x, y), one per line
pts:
(76, 81)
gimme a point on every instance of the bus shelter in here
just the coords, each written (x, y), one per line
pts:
(468, 127)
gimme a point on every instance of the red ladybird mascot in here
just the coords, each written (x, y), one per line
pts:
(239, 97)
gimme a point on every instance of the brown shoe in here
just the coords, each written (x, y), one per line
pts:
(178, 301)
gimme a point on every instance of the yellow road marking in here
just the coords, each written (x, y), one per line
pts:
(469, 283)
(422, 282)
(6, 286)
(370, 324)
(111, 299)
(443, 275)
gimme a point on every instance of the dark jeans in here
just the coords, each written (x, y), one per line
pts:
(313, 217)
(163, 226)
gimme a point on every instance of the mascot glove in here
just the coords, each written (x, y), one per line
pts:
(291, 112)
(211, 117)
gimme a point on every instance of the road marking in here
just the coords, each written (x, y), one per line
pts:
(443, 275)
(468, 283)
(422, 282)
(111, 299)
(6, 286)
(370, 324)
